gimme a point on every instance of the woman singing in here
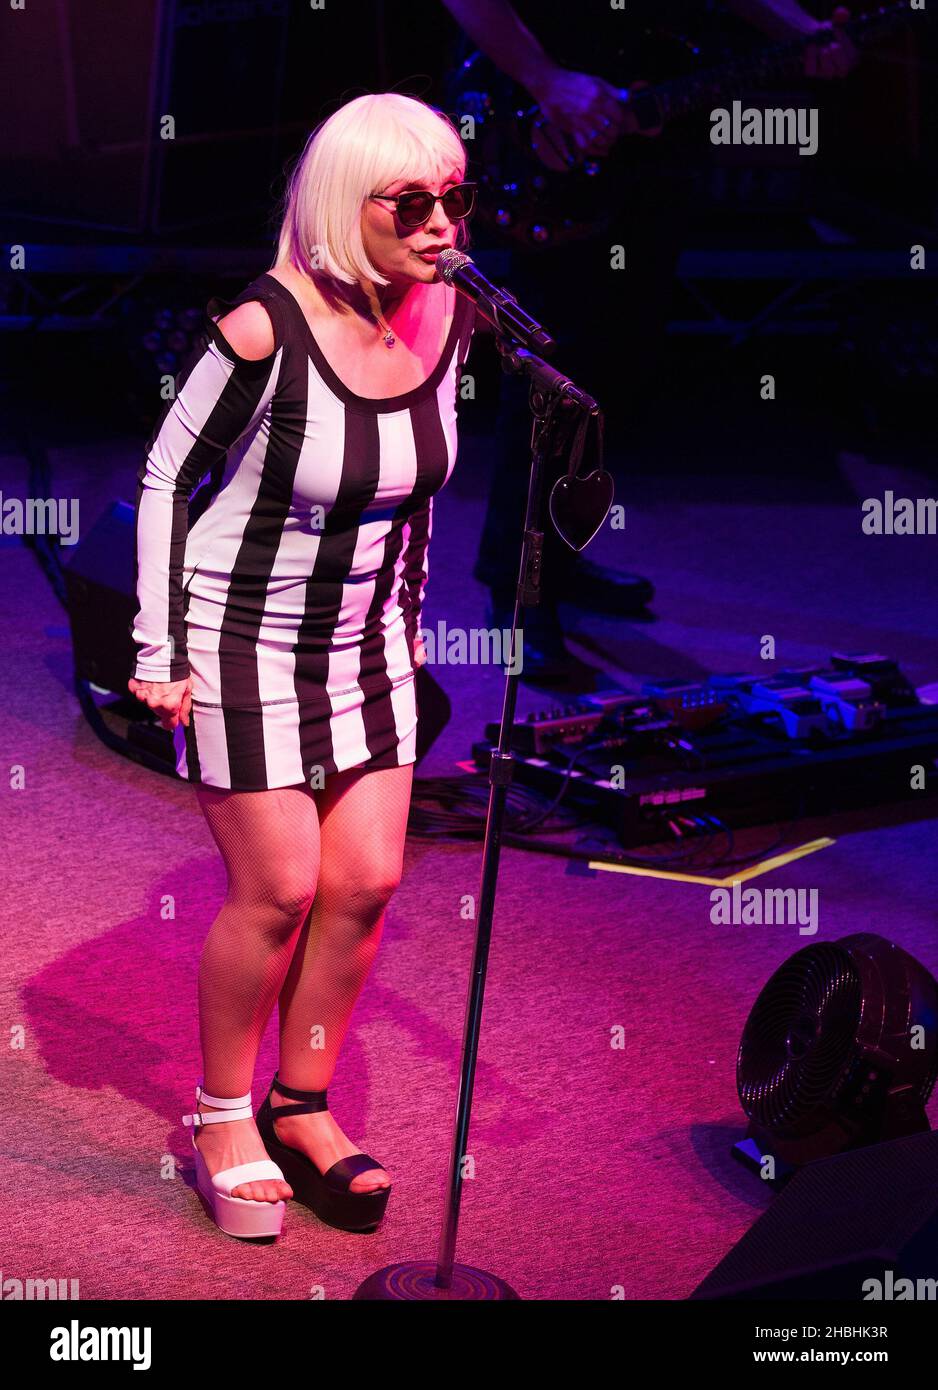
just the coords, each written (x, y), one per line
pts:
(279, 637)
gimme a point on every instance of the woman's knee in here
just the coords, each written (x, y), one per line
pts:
(283, 898)
(270, 845)
(360, 891)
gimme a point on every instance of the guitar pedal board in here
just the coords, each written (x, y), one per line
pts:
(745, 750)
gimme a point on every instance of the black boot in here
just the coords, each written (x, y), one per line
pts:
(604, 590)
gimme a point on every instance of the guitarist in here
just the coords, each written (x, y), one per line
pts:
(560, 61)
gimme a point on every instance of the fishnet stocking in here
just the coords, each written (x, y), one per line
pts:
(363, 821)
(309, 877)
(269, 841)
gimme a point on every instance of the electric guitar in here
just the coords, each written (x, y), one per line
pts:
(537, 188)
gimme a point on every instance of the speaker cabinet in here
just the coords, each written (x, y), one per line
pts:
(869, 1214)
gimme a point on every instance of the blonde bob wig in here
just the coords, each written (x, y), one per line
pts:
(365, 147)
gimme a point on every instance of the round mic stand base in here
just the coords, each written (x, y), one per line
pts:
(415, 1281)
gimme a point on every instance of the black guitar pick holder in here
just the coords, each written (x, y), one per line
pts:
(562, 416)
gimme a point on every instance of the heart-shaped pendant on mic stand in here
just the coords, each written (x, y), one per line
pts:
(579, 506)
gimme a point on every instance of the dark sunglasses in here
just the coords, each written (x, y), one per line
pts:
(415, 206)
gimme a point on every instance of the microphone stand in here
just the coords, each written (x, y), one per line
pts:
(447, 1280)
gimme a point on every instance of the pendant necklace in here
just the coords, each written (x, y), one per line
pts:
(389, 338)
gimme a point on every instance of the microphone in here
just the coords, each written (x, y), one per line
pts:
(497, 306)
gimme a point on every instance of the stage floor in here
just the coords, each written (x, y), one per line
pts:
(597, 1168)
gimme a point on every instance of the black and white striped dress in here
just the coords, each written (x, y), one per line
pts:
(294, 599)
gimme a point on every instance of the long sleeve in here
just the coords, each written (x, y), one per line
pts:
(218, 397)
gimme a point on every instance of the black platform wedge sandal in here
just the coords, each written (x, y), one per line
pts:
(327, 1194)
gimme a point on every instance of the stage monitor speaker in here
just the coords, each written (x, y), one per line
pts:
(867, 1215)
(99, 590)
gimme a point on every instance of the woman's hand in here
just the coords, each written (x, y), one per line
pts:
(420, 651)
(172, 700)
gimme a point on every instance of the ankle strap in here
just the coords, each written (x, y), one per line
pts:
(230, 1108)
(234, 1103)
(317, 1099)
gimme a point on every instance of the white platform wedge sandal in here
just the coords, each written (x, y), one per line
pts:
(236, 1216)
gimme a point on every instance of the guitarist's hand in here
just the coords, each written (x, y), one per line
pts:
(585, 108)
(830, 52)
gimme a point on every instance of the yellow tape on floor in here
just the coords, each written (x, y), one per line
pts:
(740, 877)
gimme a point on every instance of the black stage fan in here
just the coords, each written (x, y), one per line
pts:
(840, 1050)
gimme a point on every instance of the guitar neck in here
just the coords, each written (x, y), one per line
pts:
(684, 96)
